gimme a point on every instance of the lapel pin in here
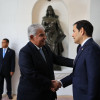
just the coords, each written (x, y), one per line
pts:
(82, 48)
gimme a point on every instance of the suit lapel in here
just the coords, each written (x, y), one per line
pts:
(46, 54)
(40, 56)
(1, 53)
(78, 55)
(82, 49)
(47, 63)
(37, 52)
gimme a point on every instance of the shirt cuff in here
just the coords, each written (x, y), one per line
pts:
(61, 83)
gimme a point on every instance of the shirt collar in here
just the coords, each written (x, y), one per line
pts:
(85, 41)
(38, 47)
(5, 49)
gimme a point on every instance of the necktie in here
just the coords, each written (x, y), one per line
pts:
(42, 54)
(79, 48)
(4, 52)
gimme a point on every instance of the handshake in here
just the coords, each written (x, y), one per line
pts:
(55, 85)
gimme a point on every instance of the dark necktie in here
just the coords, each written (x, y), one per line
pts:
(79, 49)
(41, 52)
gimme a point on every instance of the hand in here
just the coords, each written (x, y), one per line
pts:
(55, 85)
(11, 73)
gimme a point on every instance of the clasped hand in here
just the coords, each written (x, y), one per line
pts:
(55, 85)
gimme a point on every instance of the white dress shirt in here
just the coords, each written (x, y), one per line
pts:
(37, 47)
(5, 50)
(85, 41)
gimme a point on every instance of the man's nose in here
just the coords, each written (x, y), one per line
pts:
(45, 37)
(73, 35)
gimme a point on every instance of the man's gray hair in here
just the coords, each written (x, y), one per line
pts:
(32, 29)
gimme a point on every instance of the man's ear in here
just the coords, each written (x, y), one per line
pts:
(82, 31)
(7, 44)
(31, 36)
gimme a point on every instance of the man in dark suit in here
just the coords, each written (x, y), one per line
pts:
(7, 67)
(36, 66)
(86, 72)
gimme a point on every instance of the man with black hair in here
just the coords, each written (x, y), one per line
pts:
(7, 67)
(86, 72)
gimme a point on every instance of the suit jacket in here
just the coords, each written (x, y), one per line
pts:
(7, 64)
(86, 73)
(36, 74)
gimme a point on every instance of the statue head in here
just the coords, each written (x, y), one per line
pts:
(50, 12)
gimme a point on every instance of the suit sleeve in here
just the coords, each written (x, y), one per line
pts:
(67, 80)
(59, 60)
(28, 71)
(13, 61)
(62, 61)
(93, 73)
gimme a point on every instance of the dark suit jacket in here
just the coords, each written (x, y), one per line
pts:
(86, 73)
(36, 74)
(7, 64)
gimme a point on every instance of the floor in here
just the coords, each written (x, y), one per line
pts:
(5, 97)
(65, 98)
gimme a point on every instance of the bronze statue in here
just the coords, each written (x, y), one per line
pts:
(54, 32)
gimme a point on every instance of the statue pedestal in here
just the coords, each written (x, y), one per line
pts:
(63, 73)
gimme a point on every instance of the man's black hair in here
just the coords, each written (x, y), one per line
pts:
(6, 40)
(86, 25)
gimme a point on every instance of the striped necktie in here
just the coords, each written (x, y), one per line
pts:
(41, 52)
